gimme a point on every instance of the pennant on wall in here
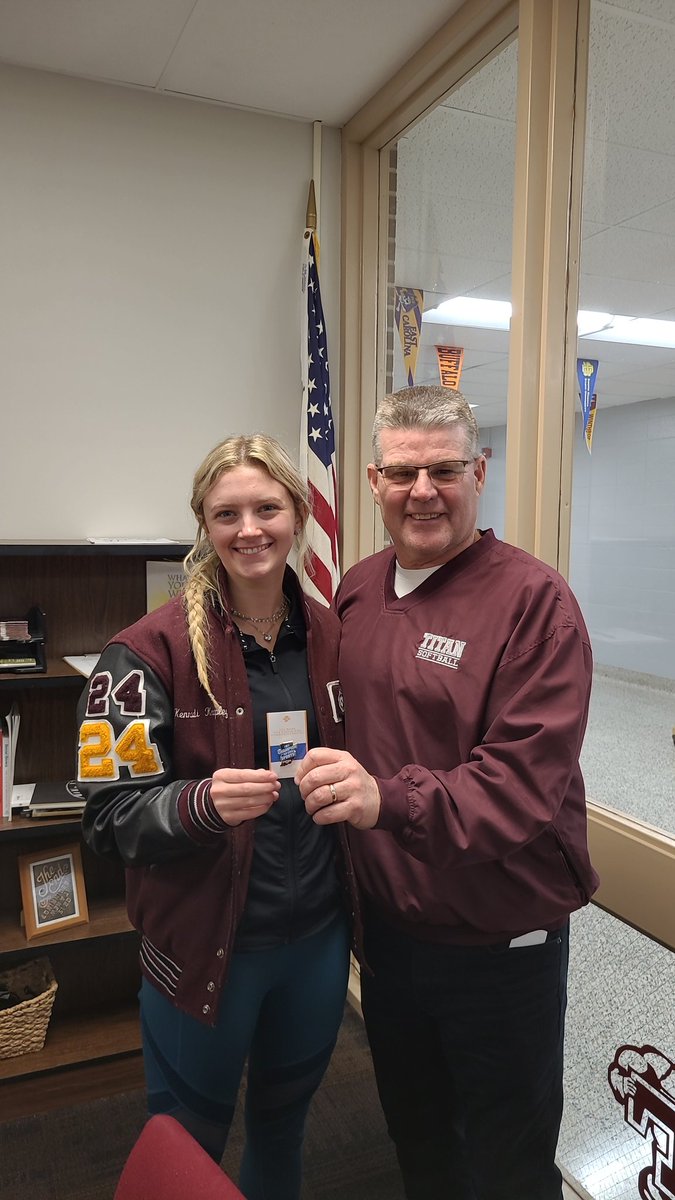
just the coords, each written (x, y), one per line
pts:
(408, 309)
(590, 423)
(450, 359)
(587, 373)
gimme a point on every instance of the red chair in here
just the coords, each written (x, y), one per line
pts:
(166, 1163)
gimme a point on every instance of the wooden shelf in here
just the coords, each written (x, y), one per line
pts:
(79, 1039)
(22, 825)
(88, 593)
(106, 917)
(80, 546)
(58, 674)
(20, 828)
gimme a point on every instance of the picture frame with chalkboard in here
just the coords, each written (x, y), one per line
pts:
(52, 890)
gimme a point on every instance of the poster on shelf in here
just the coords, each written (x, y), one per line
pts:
(163, 581)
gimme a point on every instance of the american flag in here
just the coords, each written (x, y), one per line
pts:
(317, 438)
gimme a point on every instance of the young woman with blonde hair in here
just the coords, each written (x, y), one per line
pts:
(190, 730)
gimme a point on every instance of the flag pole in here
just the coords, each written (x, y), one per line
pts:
(317, 144)
(310, 216)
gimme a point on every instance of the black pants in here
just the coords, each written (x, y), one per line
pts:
(467, 1044)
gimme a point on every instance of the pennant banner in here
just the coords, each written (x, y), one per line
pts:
(317, 437)
(408, 309)
(590, 423)
(587, 373)
(450, 359)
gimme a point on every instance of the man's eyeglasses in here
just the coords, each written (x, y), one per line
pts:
(441, 474)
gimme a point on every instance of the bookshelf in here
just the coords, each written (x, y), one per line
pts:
(88, 592)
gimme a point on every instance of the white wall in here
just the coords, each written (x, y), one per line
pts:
(491, 505)
(623, 536)
(149, 297)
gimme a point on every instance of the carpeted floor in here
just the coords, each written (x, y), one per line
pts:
(78, 1153)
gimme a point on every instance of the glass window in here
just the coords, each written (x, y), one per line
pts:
(451, 217)
(623, 510)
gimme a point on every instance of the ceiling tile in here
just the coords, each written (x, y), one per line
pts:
(310, 59)
(630, 254)
(629, 297)
(128, 41)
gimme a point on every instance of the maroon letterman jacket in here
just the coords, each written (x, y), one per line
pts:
(150, 739)
(467, 700)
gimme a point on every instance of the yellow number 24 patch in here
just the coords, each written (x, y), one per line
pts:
(100, 756)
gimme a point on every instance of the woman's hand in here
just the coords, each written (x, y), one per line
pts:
(243, 795)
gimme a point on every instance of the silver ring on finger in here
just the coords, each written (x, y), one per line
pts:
(333, 793)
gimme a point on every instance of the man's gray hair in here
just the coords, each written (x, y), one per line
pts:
(423, 407)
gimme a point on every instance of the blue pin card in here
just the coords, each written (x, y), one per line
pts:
(286, 741)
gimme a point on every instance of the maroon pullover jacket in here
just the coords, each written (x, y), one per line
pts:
(467, 700)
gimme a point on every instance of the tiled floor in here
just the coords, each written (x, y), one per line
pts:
(621, 993)
(621, 984)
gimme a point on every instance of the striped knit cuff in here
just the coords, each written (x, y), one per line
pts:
(198, 813)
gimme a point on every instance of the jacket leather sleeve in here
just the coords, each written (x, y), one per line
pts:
(135, 809)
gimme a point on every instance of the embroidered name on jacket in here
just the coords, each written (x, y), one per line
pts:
(442, 650)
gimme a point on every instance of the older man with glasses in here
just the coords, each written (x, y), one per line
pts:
(466, 671)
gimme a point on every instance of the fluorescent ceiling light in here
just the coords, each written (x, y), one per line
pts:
(592, 322)
(593, 326)
(468, 310)
(637, 331)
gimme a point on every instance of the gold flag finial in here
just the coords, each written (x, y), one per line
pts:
(310, 218)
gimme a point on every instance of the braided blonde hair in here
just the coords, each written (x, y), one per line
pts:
(202, 564)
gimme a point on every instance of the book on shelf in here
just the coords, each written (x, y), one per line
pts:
(5, 791)
(163, 581)
(9, 733)
(56, 800)
(131, 541)
(22, 642)
(14, 631)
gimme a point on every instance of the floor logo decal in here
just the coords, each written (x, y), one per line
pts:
(642, 1079)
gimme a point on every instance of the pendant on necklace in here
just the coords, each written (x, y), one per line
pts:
(267, 637)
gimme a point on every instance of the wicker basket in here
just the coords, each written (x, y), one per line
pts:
(23, 1028)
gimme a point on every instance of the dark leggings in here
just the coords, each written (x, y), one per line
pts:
(281, 1009)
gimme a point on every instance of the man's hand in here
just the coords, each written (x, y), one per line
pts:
(335, 787)
(243, 795)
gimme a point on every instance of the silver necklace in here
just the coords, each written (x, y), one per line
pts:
(279, 614)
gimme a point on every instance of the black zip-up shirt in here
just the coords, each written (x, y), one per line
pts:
(293, 889)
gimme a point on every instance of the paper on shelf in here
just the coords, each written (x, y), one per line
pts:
(163, 581)
(125, 541)
(9, 733)
(84, 663)
(22, 794)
